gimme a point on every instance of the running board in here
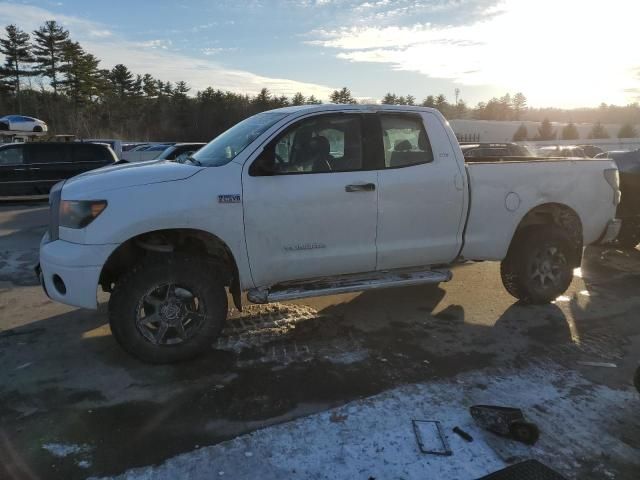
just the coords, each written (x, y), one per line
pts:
(347, 284)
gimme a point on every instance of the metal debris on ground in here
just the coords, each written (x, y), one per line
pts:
(430, 437)
(463, 434)
(527, 470)
(598, 364)
(505, 421)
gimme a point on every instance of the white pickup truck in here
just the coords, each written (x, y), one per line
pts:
(307, 201)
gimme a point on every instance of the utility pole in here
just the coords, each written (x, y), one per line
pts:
(457, 92)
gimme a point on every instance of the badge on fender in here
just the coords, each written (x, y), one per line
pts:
(232, 198)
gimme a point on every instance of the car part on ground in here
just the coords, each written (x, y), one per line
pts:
(506, 422)
(431, 439)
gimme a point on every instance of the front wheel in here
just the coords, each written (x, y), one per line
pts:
(539, 265)
(168, 309)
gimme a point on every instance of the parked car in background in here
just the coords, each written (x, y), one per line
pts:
(566, 151)
(611, 154)
(307, 201)
(629, 209)
(142, 153)
(591, 150)
(22, 123)
(473, 151)
(33, 168)
(179, 151)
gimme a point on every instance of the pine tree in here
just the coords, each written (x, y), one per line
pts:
(122, 80)
(342, 96)
(627, 131)
(545, 131)
(181, 90)
(570, 132)
(263, 99)
(521, 133)
(389, 99)
(312, 100)
(48, 49)
(429, 102)
(82, 80)
(17, 51)
(298, 99)
(519, 105)
(149, 86)
(411, 100)
(598, 131)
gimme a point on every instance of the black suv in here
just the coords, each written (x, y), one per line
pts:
(33, 168)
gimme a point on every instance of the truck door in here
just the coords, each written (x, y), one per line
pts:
(420, 193)
(310, 202)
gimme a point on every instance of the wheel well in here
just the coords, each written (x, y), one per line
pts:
(165, 242)
(554, 214)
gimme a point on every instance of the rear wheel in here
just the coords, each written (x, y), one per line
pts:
(539, 265)
(168, 309)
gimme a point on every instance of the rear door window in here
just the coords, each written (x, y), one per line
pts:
(405, 141)
(47, 153)
(11, 155)
(90, 153)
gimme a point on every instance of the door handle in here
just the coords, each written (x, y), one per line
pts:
(34, 168)
(360, 187)
(19, 169)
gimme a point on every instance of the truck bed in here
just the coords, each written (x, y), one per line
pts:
(503, 191)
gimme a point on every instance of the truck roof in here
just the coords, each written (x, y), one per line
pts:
(352, 107)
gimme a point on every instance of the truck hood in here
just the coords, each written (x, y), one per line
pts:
(127, 175)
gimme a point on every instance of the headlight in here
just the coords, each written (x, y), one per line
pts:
(80, 213)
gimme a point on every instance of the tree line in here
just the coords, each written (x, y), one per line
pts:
(49, 75)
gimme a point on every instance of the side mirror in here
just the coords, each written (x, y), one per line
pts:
(265, 164)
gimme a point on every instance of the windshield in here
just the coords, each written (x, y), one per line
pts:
(226, 146)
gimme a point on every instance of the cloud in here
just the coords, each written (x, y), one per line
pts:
(570, 53)
(155, 56)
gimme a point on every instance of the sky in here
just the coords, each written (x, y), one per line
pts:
(559, 53)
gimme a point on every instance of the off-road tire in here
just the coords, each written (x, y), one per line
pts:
(516, 268)
(195, 272)
(629, 236)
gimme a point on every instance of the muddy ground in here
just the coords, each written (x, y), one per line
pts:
(65, 383)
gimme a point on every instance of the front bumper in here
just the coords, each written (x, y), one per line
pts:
(612, 231)
(69, 272)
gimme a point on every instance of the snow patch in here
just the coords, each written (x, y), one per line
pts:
(374, 437)
(62, 450)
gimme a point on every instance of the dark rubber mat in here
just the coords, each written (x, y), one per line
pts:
(527, 470)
